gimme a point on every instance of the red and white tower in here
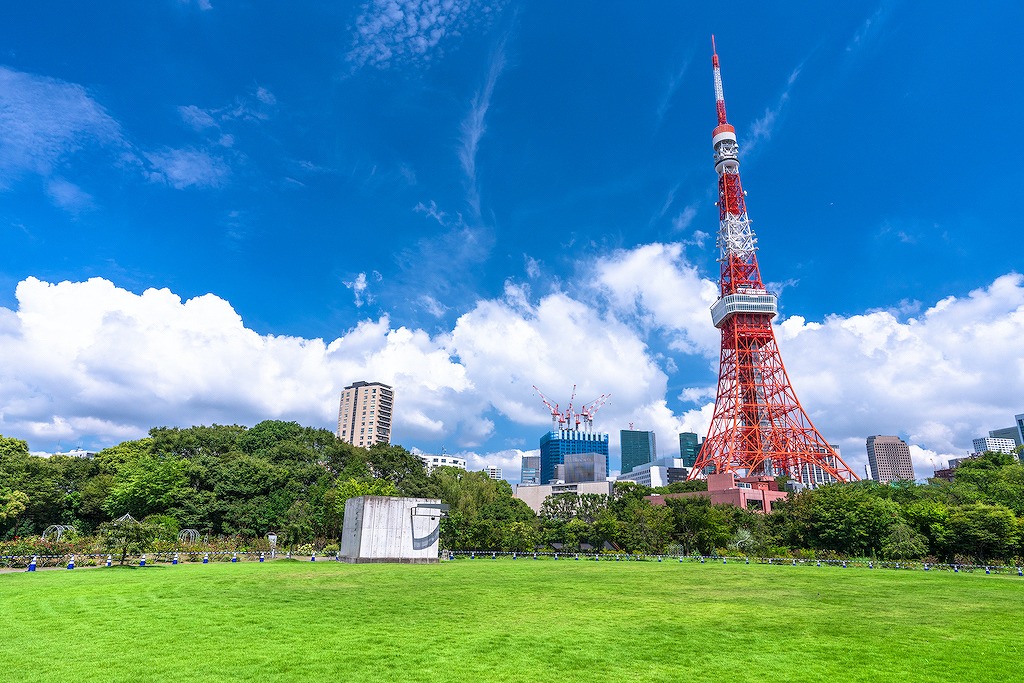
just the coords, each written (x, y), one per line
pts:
(759, 426)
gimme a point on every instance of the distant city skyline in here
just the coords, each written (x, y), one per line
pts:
(223, 213)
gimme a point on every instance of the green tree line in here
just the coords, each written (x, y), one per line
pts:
(294, 480)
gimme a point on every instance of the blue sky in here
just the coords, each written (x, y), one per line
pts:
(250, 205)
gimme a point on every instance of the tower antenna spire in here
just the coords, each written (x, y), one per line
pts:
(759, 427)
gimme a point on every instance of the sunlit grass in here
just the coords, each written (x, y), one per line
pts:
(508, 620)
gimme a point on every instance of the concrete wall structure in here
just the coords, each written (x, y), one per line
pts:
(390, 529)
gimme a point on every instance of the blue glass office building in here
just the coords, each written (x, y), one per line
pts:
(689, 447)
(554, 446)
(638, 448)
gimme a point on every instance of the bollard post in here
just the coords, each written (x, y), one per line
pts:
(577, 556)
(819, 563)
(234, 557)
(659, 558)
(871, 565)
(844, 564)
(494, 556)
(513, 555)
(109, 560)
(289, 555)
(71, 562)
(472, 556)
(535, 556)
(312, 558)
(702, 559)
(1019, 572)
(723, 561)
(926, 566)
(556, 556)
(261, 557)
(32, 564)
(987, 570)
(175, 560)
(451, 556)
(206, 558)
(794, 563)
(956, 569)
(748, 560)
(142, 561)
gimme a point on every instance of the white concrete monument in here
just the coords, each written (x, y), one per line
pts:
(389, 529)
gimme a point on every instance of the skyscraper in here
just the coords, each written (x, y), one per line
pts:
(638, 448)
(689, 447)
(556, 444)
(529, 475)
(889, 458)
(364, 413)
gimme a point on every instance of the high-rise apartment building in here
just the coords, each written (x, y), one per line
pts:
(493, 472)
(529, 474)
(556, 444)
(689, 448)
(889, 458)
(996, 445)
(364, 415)
(638, 448)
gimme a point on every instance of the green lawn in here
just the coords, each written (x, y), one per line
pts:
(506, 620)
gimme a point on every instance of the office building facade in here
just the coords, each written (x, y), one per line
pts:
(529, 472)
(689, 448)
(493, 472)
(432, 461)
(364, 414)
(1011, 433)
(555, 445)
(994, 444)
(889, 459)
(638, 448)
(660, 472)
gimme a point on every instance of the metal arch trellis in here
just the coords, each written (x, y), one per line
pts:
(58, 529)
(188, 536)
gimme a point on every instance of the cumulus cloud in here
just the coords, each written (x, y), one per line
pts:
(89, 359)
(938, 379)
(410, 31)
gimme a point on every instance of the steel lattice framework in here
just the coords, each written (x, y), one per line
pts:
(759, 426)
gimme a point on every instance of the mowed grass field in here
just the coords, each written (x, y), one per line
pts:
(505, 620)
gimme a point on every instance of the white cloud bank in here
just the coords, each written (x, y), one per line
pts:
(91, 360)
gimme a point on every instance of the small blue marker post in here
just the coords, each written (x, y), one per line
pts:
(577, 556)
(175, 560)
(535, 556)
(702, 559)
(513, 556)
(494, 556)
(32, 564)
(1019, 572)
(724, 561)
(659, 558)
(261, 557)
(819, 563)
(844, 564)
(234, 557)
(472, 556)
(71, 562)
(956, 569)
(987, 571)
(926, 567)
(451, 556)
(556, 556)
(206, 558)
(109, 560)
(312, 558)
(794, 563)
(748, 560)
(871, 565)
(142, 561)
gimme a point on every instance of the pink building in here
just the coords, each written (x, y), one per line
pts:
(752, 493)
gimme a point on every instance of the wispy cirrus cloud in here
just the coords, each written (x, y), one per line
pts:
(387, 32)
(184, 168)
(475, 124)
(44, 121)
(674, 79)
(762, 127)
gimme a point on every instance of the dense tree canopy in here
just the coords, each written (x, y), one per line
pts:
(294, 480)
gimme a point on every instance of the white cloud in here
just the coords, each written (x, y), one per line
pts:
(68, 196)
(189, 167)
(656, 284)
(938, 379)
(196, 117)
(358, 287)
(90, 358)
(474, 125)
(685, 218)
(44, 121)
(761, 129)
(403, 31)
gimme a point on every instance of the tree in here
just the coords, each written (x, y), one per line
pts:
(981, 531)
(903, 543)
(646, 528)
(126, 535)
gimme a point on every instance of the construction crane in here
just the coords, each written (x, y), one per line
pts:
(556, 417)
(588, 411)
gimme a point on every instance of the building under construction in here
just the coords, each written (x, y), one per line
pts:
(572, 451)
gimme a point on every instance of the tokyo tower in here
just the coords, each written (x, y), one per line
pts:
(759, 426)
